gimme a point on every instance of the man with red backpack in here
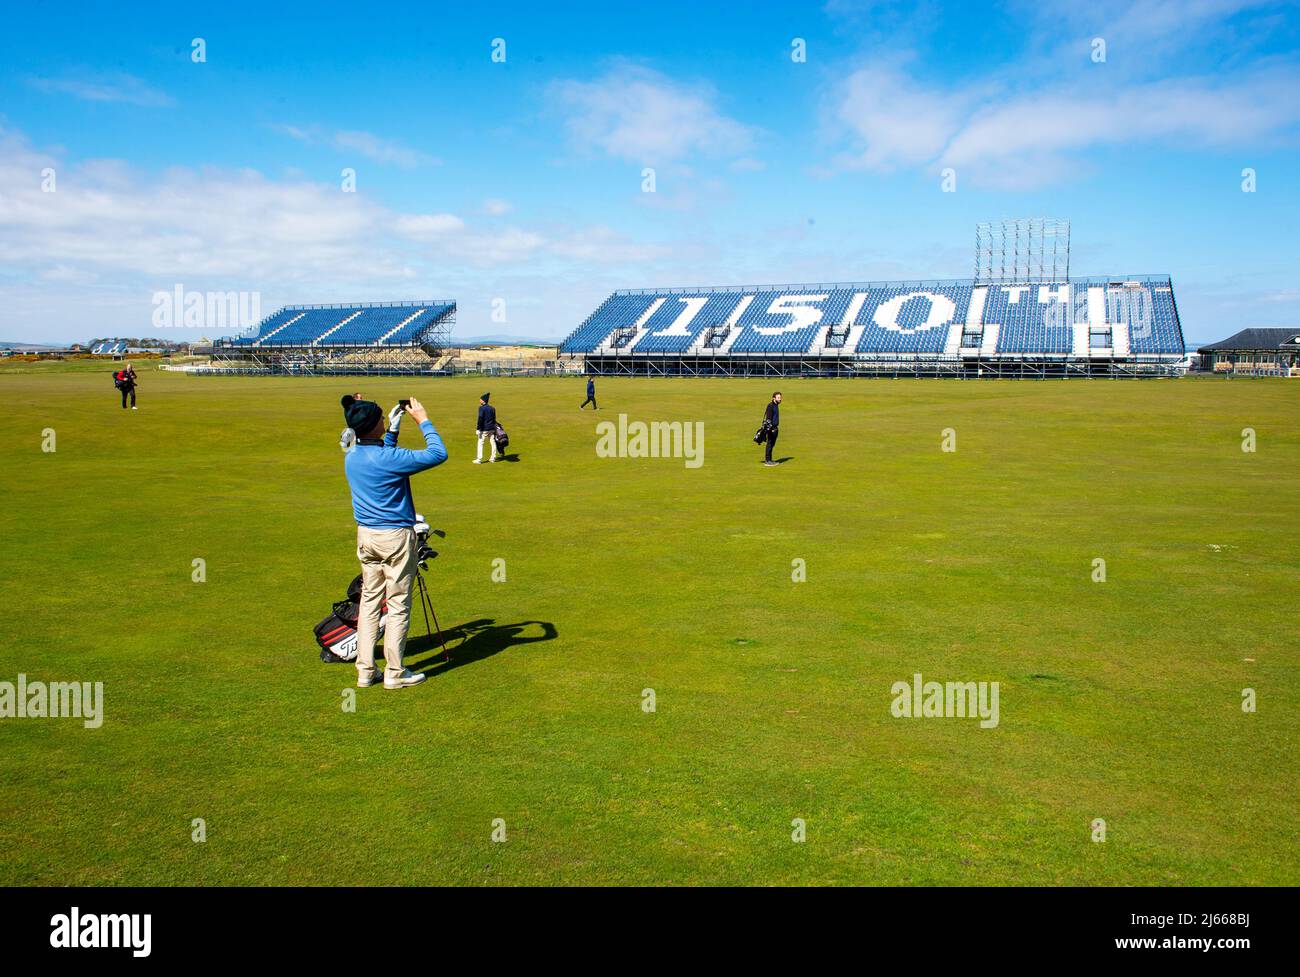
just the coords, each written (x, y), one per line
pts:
(124, 380)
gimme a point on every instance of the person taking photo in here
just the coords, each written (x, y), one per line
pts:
(379, 475)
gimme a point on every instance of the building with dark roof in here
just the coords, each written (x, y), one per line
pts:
(1271, 352)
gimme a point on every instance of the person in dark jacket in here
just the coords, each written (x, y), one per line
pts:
(772, 421)
(487, 426)
(591, 395)
(126, 380)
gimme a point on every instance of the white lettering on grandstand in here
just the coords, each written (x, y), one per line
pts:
(855, 306)
(942, 309)
(1047, 294)
(678, 328)
(1014, 292)
(801, 316)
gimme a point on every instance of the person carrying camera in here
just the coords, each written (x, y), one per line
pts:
(486, 428)
(379, 475)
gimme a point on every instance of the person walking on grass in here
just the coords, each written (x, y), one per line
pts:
(772, 422)
(125, 379)
(591, 395)
(486, 428)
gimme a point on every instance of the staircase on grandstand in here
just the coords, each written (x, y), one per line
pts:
(1078, 326)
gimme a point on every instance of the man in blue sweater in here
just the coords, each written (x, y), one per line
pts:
(379, 474)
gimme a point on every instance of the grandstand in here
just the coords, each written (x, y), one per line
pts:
(1022, 314)
(1125, 326)
(355, 338)
(113, 347)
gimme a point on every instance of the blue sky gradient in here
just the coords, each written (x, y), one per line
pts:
(521, 181)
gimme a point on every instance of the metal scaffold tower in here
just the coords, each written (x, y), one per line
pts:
(1025, 249)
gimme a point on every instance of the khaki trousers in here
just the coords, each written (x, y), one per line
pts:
(387, 571)
(487, 436)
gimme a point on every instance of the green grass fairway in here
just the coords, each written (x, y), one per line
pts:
(1119, 700)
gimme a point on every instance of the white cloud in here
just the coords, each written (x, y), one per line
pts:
(495, 207)
(637, 114)
(896, 121)
(380, 150)
(365, 144)
(111, 87)
(1190, 110)
(423, 226)
(111, 235)
(1020, 141)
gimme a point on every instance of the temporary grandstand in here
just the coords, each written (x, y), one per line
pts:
(112, 347)
(367, 338)
(1021, 315)
(1125, 326)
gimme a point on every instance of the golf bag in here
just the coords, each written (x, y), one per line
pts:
(119, 379)
(761, 434)
(337, 634)
(502, 439)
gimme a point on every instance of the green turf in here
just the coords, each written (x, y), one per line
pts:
(1119, 700)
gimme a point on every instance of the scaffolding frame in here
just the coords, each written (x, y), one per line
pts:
(1022, 250)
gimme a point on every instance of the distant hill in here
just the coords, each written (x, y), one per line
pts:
(503, 340)
(4, 344)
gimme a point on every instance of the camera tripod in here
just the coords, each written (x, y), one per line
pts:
(426, 604)
(423, 554)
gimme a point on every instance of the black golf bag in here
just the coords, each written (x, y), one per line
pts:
(337, 634)
(502, 439)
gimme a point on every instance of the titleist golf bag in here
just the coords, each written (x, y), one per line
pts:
(337, 634)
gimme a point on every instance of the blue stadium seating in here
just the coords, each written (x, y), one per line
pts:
(1151, 317)
(895, 318)
(617, 311)
(713, 312)
(786, 330)
(1032, 318)
(361, 325)
(912, 334)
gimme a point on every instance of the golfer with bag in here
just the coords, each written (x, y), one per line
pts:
(379, 474)
(771, 429)
(485, 428)
(125, 380)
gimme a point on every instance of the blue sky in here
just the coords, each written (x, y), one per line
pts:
(520, 182)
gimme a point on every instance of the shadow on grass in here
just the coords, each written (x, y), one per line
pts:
(471, 642)
(782, 461)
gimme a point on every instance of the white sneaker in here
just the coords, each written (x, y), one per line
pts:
(366, 681)
(133, 407)
(478, 461)
(406, 679)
